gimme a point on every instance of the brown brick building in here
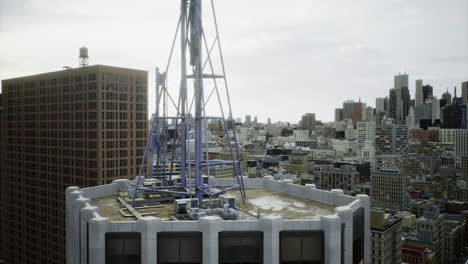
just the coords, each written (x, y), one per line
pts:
(85, 126)
(424, 136)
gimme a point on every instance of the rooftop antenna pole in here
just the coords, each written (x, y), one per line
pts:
(195, 61)
(183, 90)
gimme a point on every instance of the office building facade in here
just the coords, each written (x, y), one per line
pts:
(339, 236)
(389, 189)
(83, 127)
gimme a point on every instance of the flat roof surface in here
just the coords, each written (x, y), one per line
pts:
(288, 206)
(260, 202)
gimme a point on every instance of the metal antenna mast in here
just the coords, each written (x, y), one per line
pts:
(159, 141)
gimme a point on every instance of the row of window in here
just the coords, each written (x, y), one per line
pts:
(306, 247)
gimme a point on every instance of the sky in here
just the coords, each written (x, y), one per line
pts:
(283, 58)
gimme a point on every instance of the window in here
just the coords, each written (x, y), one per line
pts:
(301, 247)
(358, 235)
(123, 248)
(179, 247)
(241, 247)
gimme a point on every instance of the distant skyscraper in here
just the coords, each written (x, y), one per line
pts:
(422, 112)
(435, 106)
(464, 93)
(370, 114)
(85, 126)
(380, 105)
(365, 132)
(454, 115)
(255, 120)
(391, 139)
(419, 93)
(427, 92)
(447, 97)
(308, 121)
(248, 120)
(338, 114)
(392, 104)
(356, 111)
(403, 97)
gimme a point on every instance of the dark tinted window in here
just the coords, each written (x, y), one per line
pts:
(358, 235)
(241, 247)
(123, 248)
(301, 247)
(179, 247)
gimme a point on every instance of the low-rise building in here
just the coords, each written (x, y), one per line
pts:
(385, 238)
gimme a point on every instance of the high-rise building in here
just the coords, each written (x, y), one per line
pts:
(338, 114)
(427, 92)
(356, 111)
(464, 166)
(457, 137)
(464, 93)
(447, 97)
(391, 139)
(418, 100)
(308, 121)
(84, 127)
(248, 120)
(392, 104)
(365, 132)
(330, 228)
(381, 105)
(344, 178)
(386, 238)
(389, 189)
(435, 107)
(403, 97)
(422, 112)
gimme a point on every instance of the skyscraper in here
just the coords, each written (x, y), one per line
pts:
(365, 132)
(427, 92)
(447, 97)
(338, 114)
(464, 93)
(391, 139)
(381, 105)
(403, 97)
(418, 100)
(308, 121)
(392, 104)
(85, 126)
(356, 111)
(248, 120)
(389, 189)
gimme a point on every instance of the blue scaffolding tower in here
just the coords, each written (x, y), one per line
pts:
(174, 151)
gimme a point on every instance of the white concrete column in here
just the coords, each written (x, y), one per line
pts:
(148, 227)
(271, 226)
(98, 228)
(331, 226)
(69, 222)
(365, 203)
(210, 226)
(86, 213)
(73, 227)
(346, 215)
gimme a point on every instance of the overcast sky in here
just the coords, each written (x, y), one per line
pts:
(283, 58)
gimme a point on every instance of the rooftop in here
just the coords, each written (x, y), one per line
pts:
(261, 202)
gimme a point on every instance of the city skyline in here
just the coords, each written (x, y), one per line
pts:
(431, 45)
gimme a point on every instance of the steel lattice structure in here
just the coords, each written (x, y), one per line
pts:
(192, 37)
